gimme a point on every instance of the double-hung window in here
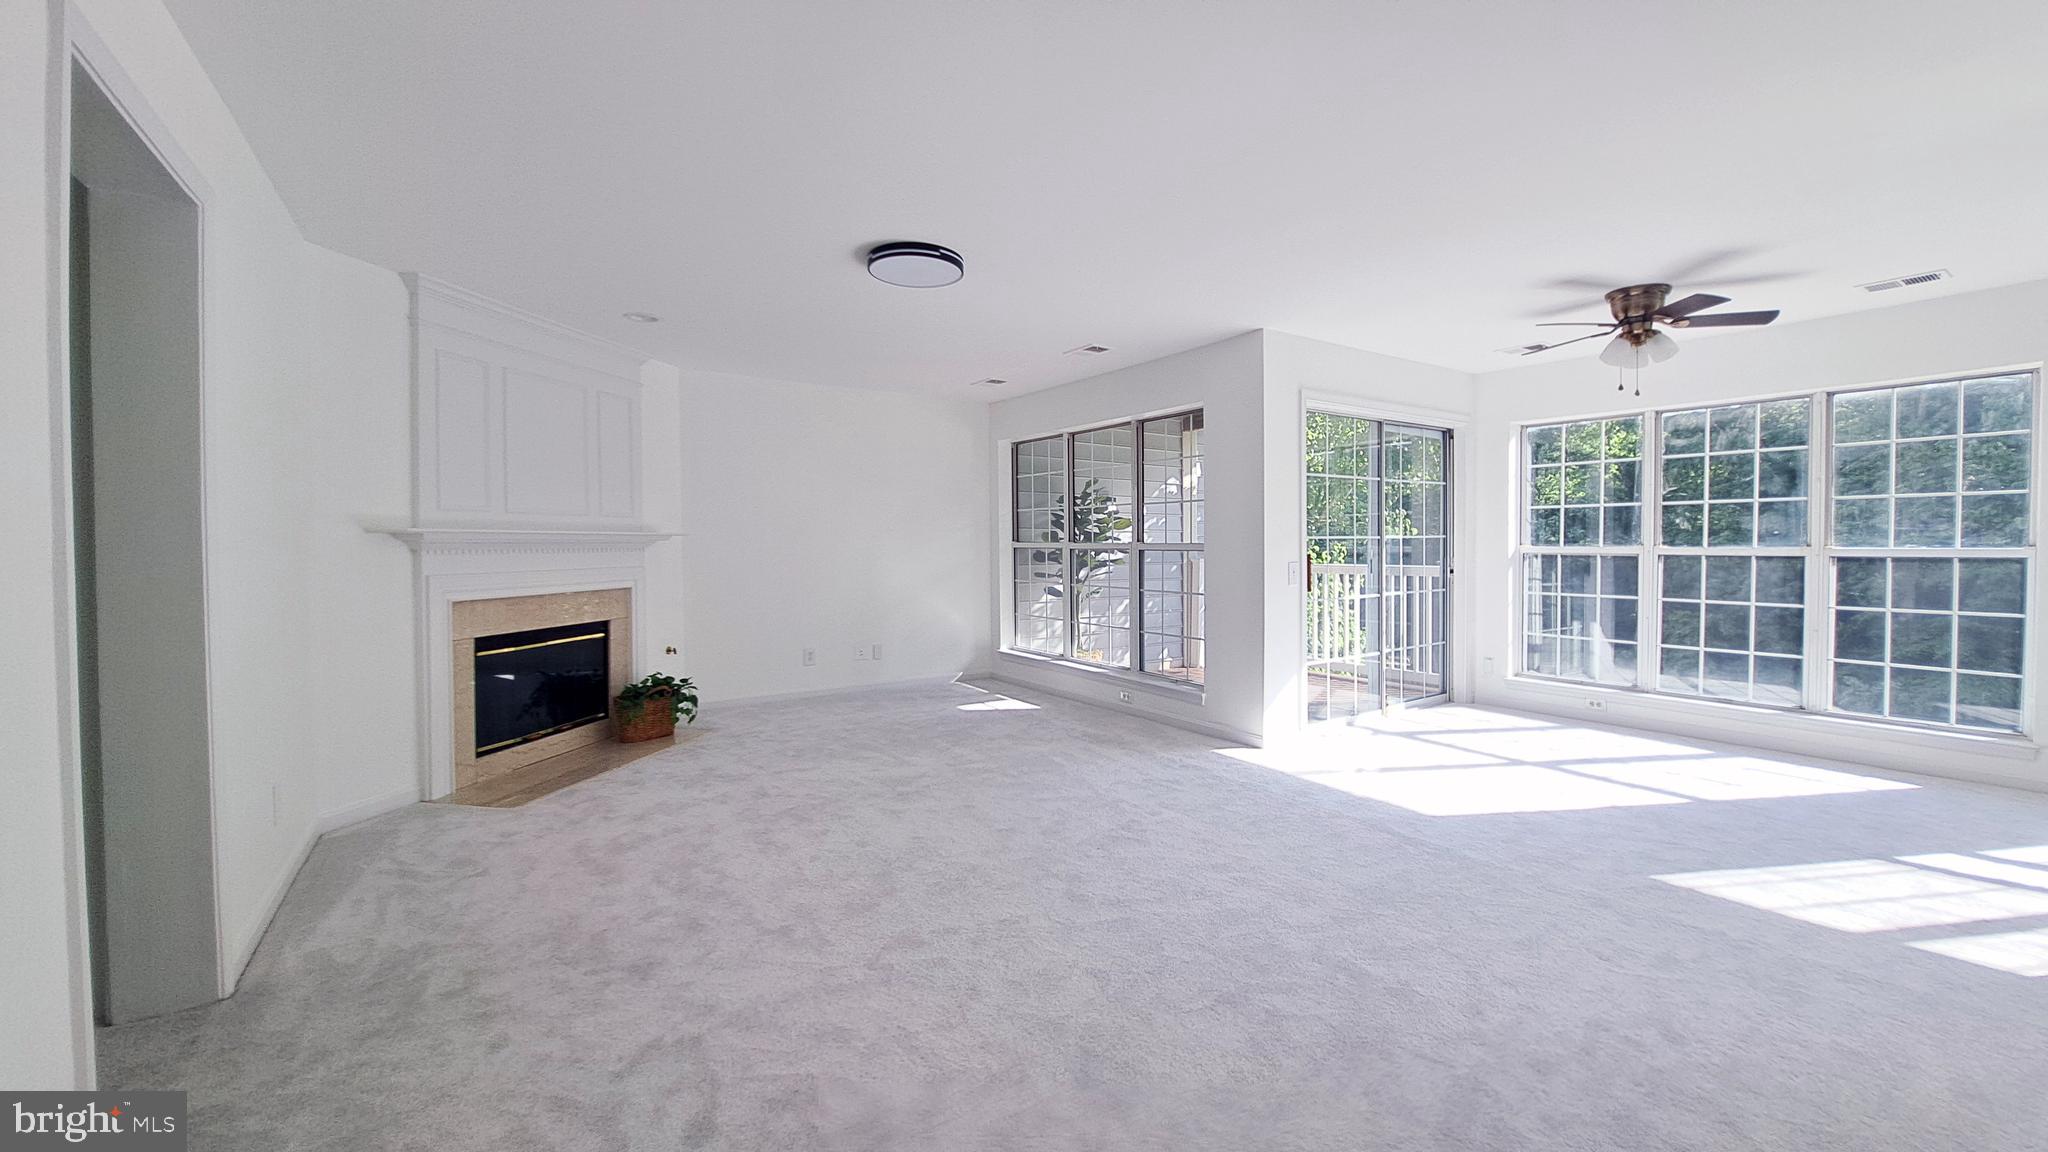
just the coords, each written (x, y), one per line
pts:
(1863, 551)
(1106, 546)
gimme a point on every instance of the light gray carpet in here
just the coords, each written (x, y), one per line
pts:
(880, 921)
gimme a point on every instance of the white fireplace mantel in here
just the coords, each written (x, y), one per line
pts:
(443, 540)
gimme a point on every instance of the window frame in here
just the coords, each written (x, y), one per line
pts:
(1816, 696)
(1135, 549)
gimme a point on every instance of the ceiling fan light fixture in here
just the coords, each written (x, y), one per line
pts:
(1659, 348)
(1619, 353)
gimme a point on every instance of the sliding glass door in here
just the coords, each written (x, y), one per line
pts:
(1378, 566)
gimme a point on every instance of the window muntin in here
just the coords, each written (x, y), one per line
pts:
(1939, 472)
(1171, 483)
(1939, 640)
(1942, 465)
(1732, 627)
(1093, 577)
(1734, 476)
(1584, 483)
(1038, 511)
(1581, 615)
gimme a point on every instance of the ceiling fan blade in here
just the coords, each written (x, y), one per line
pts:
(1578, 324)
(1562, 343)
(1697, 302)
(1726, 319)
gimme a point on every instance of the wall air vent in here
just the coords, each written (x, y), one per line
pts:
(1086, 350)
(1906, 281)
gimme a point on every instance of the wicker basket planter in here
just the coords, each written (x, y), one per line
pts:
(648, 719)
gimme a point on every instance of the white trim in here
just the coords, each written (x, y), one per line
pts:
(244, 950)
(435, 541)
(1201, 727)
(1922, 751)
(445, 305)
(84, 49)
(846, 690)
(1183, 690)
(363, 810)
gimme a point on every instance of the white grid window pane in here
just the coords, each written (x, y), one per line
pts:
(1171, 617)
(1943, 465)
(1938, 640)
(1104, 485)
(1172, 507)
(1735, 476)
(1584, 483)
(1039, 489)
(1343, 458)
(1733, 627)
(1038, 590)
(1580, 617)
(1102, 606)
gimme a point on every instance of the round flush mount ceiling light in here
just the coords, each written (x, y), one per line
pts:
(910, 264)
(642, 317)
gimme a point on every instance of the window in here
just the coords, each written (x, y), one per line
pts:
(1583, 522)
(1930, 551)
(1106, 557)
(1865, 551)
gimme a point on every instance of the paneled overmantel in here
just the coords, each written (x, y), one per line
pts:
(520, 421)
(528, 485)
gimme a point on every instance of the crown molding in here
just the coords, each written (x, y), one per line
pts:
(445, 305)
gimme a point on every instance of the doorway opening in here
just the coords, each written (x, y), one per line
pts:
(1378, 568)
(137, 545)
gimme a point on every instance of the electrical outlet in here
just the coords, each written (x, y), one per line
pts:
(860, 652)
(1123, 695)
(1596, 704)
(810, 657)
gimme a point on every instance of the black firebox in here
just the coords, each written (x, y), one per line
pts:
(537, 683)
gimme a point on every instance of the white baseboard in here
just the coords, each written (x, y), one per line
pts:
(363, 810)
(244, 950)
(1137, 707)
(809, 693)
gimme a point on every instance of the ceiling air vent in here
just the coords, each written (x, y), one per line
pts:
(1086, 350)
(1906, 281)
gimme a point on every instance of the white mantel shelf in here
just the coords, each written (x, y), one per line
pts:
(428, 540)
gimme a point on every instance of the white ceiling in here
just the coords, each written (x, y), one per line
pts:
(1406, 177)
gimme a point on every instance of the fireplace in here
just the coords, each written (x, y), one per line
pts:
(533, 684)
(532, 677)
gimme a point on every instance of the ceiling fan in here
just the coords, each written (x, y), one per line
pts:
(1638, 311)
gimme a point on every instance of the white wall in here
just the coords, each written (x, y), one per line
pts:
(1225, 380)
(1950, 336)
(825, 518)
(45, 1010)
(363, 740)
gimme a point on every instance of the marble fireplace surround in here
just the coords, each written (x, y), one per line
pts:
(479, 582)
(470, 619)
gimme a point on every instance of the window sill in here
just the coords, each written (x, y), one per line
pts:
(2010, 746)
(1170, 689)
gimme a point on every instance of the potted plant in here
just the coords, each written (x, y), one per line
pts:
(648, 708)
